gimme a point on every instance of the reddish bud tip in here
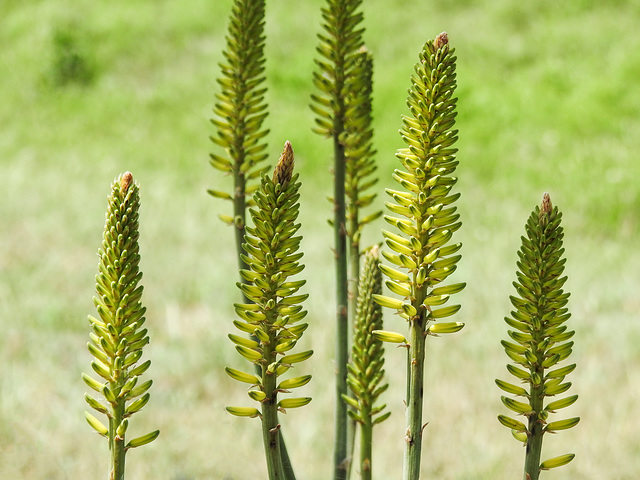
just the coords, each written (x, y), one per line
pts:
(125, 182)
(441, 40)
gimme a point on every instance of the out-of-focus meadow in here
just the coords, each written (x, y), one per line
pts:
(549, 100)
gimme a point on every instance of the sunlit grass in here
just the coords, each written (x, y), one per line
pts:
(548, 102)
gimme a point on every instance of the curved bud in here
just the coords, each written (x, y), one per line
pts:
(294, 382)
(562, 424)
(388, 302)
(241, 376)
(243, 411)
(557, 461)
(96, 424)
(447, 327)
(511, 423)
(143, 440)
(389, 337)
(445, 312)
(294, 402)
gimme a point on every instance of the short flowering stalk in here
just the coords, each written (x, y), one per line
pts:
(424, 221)
(117, 336)
(540, 340)
(272, 319)
(366, 372)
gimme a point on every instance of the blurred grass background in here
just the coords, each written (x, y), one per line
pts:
(548, 101)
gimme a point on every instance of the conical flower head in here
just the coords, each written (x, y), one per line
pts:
(421, 212)
(271, 252)
(540, 340)
(366, 370)
(117, 336)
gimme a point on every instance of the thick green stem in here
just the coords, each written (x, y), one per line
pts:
(366, 442)
(413, 433)
(116, 443)
(534, 442)
(342, 316)
(270, 426)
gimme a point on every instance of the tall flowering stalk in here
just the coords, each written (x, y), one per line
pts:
(240, 111)
(118, 336)
(343, 112)
(366, 372)
(424, 222)
(274, 314)
(541, 338)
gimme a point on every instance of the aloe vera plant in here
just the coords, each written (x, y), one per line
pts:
(425, 222)
(366, 372)
(274, 315)
(341, 69)
(117, 335)
(541, 340)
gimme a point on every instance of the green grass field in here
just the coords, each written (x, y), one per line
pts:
(548, 101)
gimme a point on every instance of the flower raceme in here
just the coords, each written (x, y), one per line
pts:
(118, 336)
(273, 318)
(540, 339)
(422, 213)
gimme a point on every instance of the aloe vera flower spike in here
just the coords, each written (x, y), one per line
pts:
(366, 370)
(424, 221)
(541, 339)
(360, 165)
(274, 312)
(117, 336)
(240, 111)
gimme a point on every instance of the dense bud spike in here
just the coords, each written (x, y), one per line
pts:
(272, 310)
(542, 341)
(118, 336)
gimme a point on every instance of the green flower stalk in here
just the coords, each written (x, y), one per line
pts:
(366, 370)
(240, 112)
(118, 336)
(541, 338)
(425, 224)
(340, 68)
(274, 314)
